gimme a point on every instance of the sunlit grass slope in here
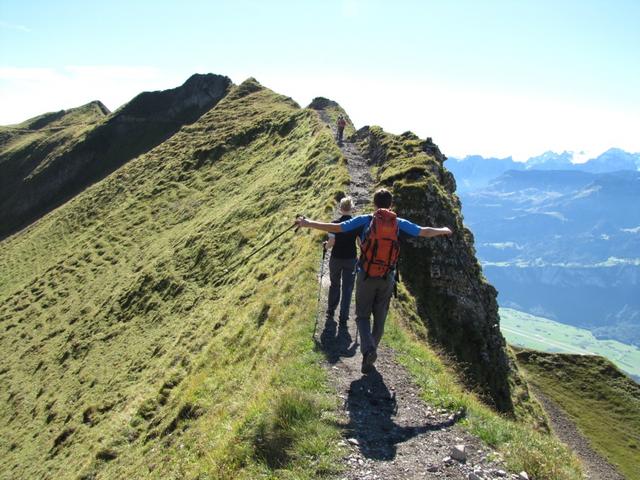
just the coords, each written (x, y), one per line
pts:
(129, 352)
(602, 401)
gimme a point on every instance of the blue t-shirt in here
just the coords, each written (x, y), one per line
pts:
(363, 222)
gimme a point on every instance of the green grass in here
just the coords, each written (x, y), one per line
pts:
(538, 333)
(50, 133)
(601, 400)
(131, 353)
(524, 444)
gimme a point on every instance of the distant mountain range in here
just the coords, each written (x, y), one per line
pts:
(564, 244)
(474, 171)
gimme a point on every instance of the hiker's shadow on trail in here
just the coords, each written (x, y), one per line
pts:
(336, 342)
(371, 409)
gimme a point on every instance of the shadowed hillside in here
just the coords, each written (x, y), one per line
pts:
(50, 158)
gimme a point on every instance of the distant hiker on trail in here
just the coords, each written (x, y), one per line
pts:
(376, 268)
(341, 124)
(342, 265)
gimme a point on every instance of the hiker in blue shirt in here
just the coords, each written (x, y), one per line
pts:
(376, 268)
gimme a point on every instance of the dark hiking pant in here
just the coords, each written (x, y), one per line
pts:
(341, 274)
(340, 133)
(372, 297)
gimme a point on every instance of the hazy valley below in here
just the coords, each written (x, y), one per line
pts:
(560, 240)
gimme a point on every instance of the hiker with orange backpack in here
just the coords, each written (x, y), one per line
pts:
(375, 279)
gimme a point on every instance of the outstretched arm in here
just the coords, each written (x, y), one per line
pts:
(325, 227)
(430, 232)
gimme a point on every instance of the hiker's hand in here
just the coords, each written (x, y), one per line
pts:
(447, 231)
(301, 222)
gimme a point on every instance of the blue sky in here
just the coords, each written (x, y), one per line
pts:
(493, 78)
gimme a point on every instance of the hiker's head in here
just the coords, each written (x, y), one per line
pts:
(346, 205)
(382, 198)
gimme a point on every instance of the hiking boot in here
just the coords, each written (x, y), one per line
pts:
(368, 359)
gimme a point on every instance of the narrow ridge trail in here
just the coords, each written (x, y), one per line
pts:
(596, 467)
(390, 431)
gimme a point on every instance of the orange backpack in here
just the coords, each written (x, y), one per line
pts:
(380, 248)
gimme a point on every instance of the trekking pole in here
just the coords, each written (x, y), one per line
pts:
(242, 260)
(324, 253)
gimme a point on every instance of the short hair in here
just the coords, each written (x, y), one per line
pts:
(346, 204)
(382, 198)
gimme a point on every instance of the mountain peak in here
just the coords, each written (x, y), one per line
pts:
(551, 161)
(101, 107)
(330, 110)
(89, 112)
(199, 93)
(322, 103)
(249, 86)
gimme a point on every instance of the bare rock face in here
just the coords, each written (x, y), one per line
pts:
(456, 304)
(55, 166)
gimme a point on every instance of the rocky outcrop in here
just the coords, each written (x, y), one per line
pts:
(45, 173)
(184, 104)
(455, 303)
(322, 103)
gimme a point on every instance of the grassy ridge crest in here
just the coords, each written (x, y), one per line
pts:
(132, 353)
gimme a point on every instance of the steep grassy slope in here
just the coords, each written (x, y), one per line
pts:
(599, 398)
(130, 353)
(48, 159)
(30, 144)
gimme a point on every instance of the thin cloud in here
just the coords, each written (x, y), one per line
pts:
(14, 26)
(26, 74)
(113, 72)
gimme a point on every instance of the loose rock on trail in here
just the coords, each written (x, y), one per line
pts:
(390, 431)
